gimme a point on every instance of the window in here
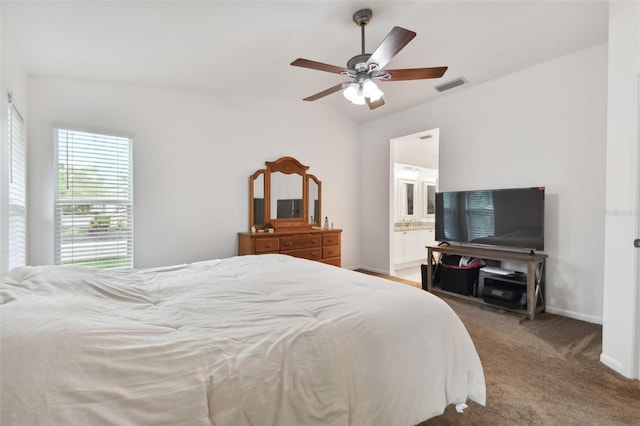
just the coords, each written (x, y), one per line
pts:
(17, 213)
(94, 200)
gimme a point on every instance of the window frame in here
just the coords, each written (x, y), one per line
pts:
(102, 224)
(16, 187)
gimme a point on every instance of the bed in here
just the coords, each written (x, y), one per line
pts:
(249, 340)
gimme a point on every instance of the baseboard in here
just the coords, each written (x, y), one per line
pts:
(369, 268)
(614, 365)
(574, 315)
(406, 265)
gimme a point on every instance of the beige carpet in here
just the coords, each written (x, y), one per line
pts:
(542, 372)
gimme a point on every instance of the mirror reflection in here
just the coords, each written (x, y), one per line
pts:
(286, 196)
(429, 198)
(406, 198)
(258, 200)
(314, 201)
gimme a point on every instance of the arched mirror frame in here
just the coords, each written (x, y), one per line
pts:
(286, 165)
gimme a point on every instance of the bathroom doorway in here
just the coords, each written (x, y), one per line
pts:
(413, 182)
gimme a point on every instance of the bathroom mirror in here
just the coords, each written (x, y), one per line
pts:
(283, 195)
(428, 198)
(406, 198)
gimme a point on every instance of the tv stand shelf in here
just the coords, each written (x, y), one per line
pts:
(535, 273)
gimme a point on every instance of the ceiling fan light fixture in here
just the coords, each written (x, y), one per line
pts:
(351, 91)
(371, 90)
(359, 100)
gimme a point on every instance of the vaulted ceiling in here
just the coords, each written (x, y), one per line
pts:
(243, 48)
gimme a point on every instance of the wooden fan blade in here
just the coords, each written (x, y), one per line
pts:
(414, 73)
(390, 46)
(306, 63)
(324, 93)
(375, 104)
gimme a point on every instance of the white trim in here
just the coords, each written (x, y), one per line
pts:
(575, 315)
(613, 364)
(372, 269)
(91, 129)
(93, 224)
(635, 349)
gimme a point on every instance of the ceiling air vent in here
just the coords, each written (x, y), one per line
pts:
(451, 84)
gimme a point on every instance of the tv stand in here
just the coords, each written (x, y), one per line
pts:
(535, 273)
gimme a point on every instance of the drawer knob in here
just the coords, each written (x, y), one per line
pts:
(314, 241)
(288, 244)
(314, 254)
(330, 240)
(267, 245)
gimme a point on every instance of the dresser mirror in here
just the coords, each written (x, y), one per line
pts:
(314, 200)
(286, 196)
(256, 199)
(283, 195)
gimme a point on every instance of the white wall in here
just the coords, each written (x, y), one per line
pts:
(12, 79)
(542, 126)
(621, 326)
(412, 150)
(193, 155)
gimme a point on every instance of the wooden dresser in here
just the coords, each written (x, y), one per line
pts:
(320, 245)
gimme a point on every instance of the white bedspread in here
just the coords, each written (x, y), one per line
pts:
(251, 340)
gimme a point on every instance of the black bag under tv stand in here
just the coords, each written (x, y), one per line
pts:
(535, 274)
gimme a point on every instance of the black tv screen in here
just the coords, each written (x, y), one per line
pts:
(509, 218)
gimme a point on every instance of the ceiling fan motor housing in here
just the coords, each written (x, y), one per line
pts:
(359, 62)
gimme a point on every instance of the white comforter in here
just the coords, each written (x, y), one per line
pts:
(252, 340)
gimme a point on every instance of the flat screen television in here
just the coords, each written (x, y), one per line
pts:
(506, 218)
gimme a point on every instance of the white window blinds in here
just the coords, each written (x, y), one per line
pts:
(17, 212)
(94, 200)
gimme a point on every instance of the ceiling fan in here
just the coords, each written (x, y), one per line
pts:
(365, 67)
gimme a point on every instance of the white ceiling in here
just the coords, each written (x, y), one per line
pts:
(242, 48)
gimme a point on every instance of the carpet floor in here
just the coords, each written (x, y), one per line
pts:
(542, 372)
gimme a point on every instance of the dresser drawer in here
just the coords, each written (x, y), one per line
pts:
(334, 261)
(311, 253)
(265, 245)
(299, 241)
(331, 251)
(331, 239)
(313, 244)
